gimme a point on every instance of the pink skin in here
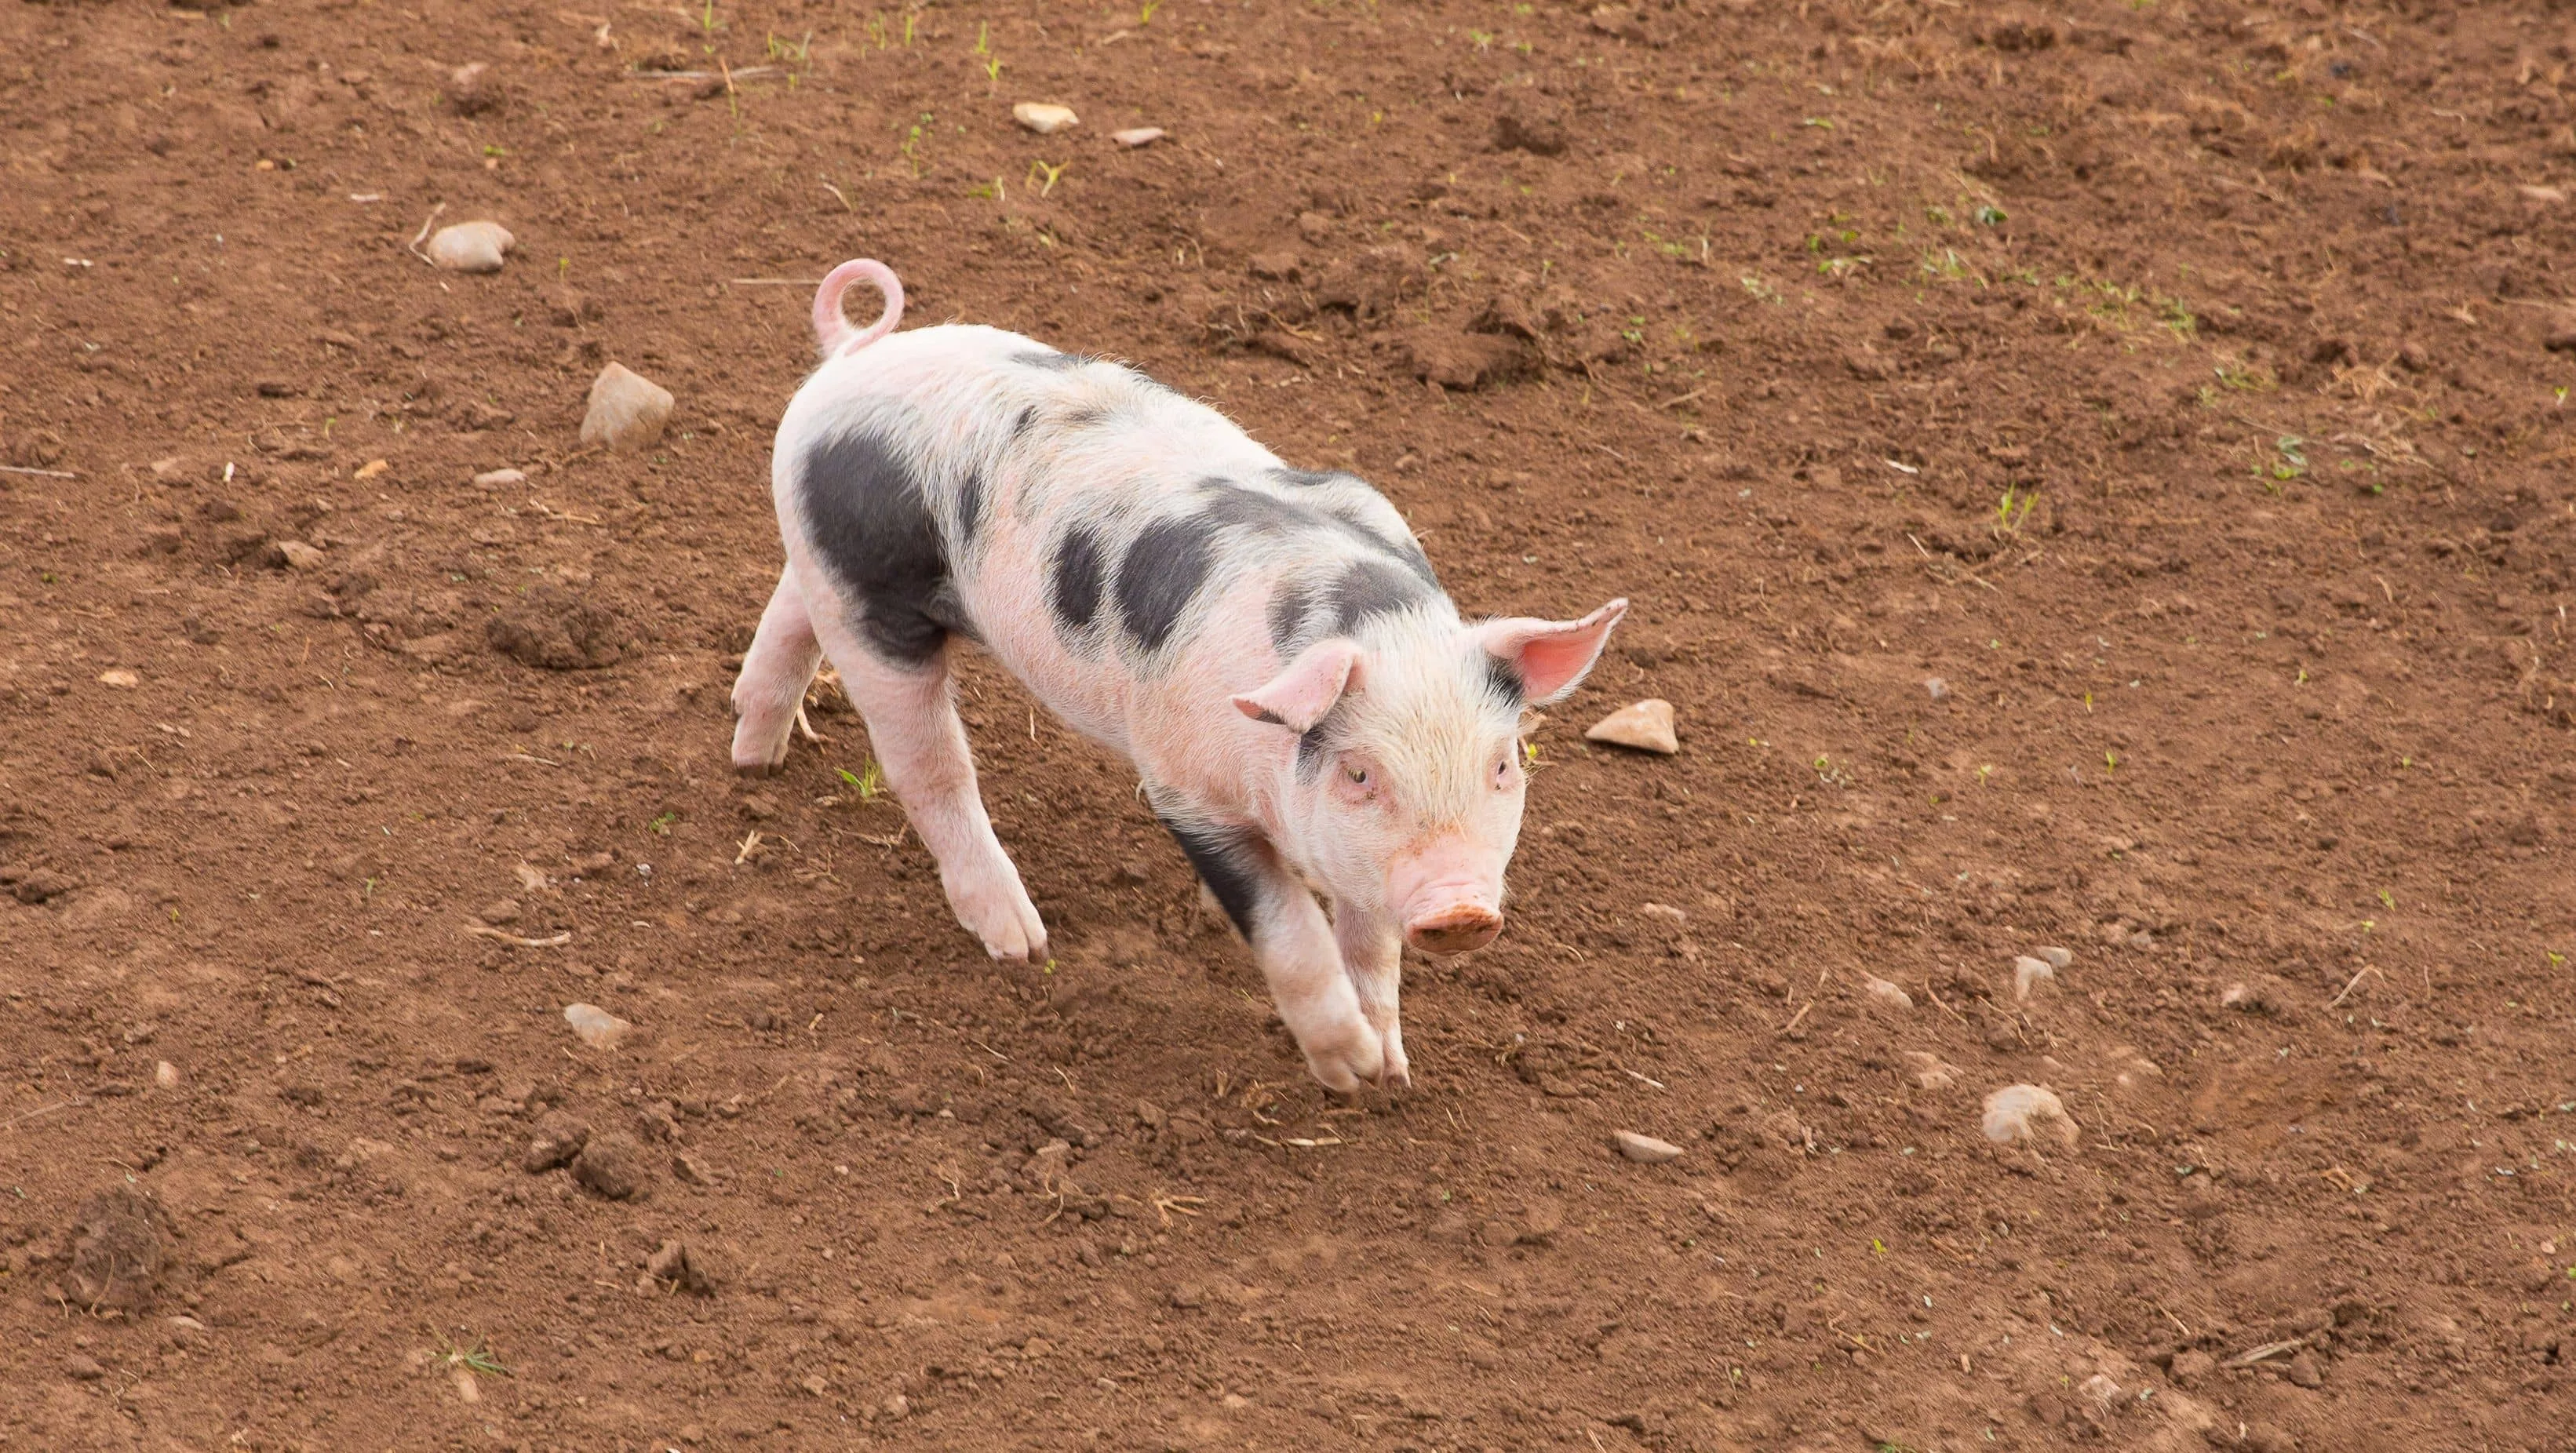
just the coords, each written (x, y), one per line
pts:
(1406, 830)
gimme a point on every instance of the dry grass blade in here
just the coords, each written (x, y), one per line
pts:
(485, 930)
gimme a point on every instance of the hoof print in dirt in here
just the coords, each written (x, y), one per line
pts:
(554, 630)
(1463, 360)
(674, 1267)
(557, 1139)
(614, 1166)
(115, 1250)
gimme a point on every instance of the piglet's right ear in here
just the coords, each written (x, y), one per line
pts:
(1305, 692)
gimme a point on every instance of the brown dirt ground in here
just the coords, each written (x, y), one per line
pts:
(2173, 381)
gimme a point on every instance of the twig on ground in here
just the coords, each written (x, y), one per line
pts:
(485, 930)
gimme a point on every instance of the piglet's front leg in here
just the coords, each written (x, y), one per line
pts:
(1372, 955)
(1293, 943)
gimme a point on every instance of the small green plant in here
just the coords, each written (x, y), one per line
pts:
(2014, 508)
(477, 1357)
(1991, 215)
(1045, 175)
(663, 823)
(2387, 900)
(2293, 461)
(707, 23)
(990, 191)
(1761, 291)
(867, 784)
(1941, 266)
(983, 38)
(1145, 13)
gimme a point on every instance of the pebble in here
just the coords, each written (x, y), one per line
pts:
(627, 410)
(1044, 117)
(1937, 687)
(2029, 973)
(2539, 193)
(1137, 136)
(1646, 726)
(1645, 1149)
(300, 556)
(83, 1368)
(1885, 994)
(2017, 1113)
(1665, 911)
(166, 1075)
(1929, 1071)
(2055, 958)
(500, 911)
(2304, 1371)
(896, 1407)
(597, 1027)
(500, 478)
(120, 678)
(471, 246)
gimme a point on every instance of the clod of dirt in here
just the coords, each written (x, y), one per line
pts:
(115, 1249)
(80, 1367)
(1645, 726)
(500, 478)
(500, 911)
(1928, 1071)
(1461, 360)
(35, 885)
(296, 555)
(627, 410)
(1525, 127)
(2029, 973)
(597, 1027)
(2304, 1372)
(2055, 958)
(119, 679)
(673, 1265)
(2262, 995)
(470, 246)
(555, 630)
(613, 1165)
(2190, 1369)
(557, 1139)
(693, 1169)
(1044, 117)
(1644, 1149)
(1886, 995)
(1135, 136)
(471, 90)
(2561, 337)
(2018, 1113)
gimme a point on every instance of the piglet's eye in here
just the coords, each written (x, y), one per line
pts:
(1359, 775)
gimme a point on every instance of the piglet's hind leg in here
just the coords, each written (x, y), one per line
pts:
(775, 672)
(912, 721)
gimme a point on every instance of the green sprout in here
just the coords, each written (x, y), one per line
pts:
(478, 1357)
(1991, 215)
(663, 823)
(867, 784)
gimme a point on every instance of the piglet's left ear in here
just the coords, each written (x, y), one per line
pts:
(1304, 692)
(1550, 657)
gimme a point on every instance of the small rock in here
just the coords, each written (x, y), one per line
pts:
(2533, 191)
(1135, 136)
(296, 555)
(2018, 1113)
(471, 246)
(1928, 1071)
(166, 1075)
(500, 911)
(500, 478)
(1664, 911)
(693, 1169)
(120, 678)
(1045, 117)
(627, 410)
(1936, 687)
(597, 1027)
(674, 1267)
(470, 89)
(81, 1368)
(613, 1166)
(2055, 958)
(2102, 1393)
(1885, 994)
(2029, 973)
(897, 1407)
(557, 1138)
(1646, 726)
(1645, 1149)
(2304, 1371)
(2190, 1369)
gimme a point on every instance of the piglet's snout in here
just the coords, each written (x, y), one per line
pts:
(1454, 926)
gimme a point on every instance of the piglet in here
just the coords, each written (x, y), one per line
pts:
(1267, 645)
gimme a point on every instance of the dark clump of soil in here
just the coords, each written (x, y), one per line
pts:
(615, 1165)
(115, 1250)
(556, 630)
